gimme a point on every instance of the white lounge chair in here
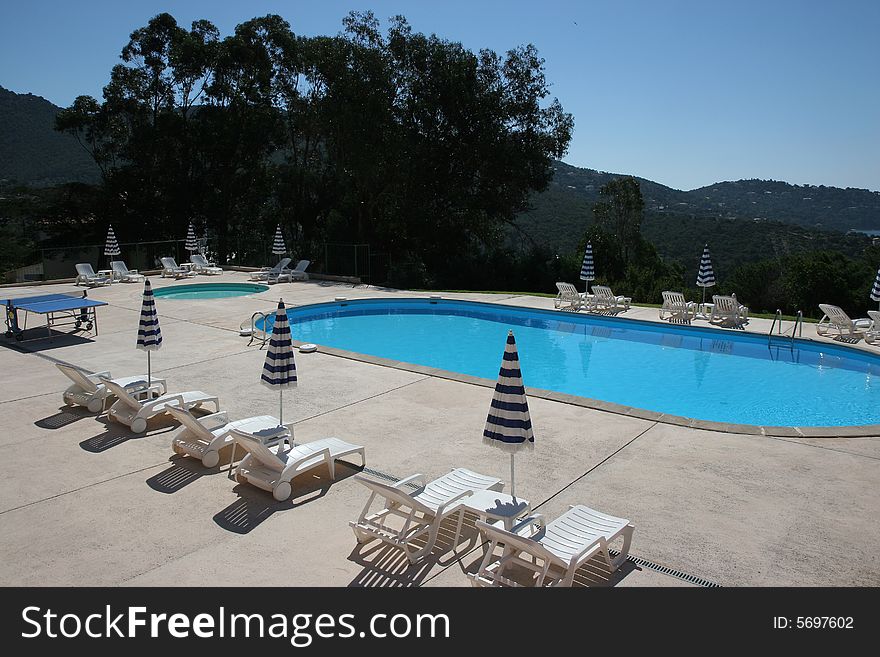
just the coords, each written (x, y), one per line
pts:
(273, 470)
(418, 513)
(266, 272)
(85, 275)
(171, 268)
(135, 412)
(124, 274)
(298, 273)
(604, 300)
(207, 436)
(836, 323)
(727, 310)
(89, 390)
(568, 297)
(676, 308)
(554, 551)
(872, 335)
(202, 266)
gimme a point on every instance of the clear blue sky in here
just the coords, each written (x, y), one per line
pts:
(684, 92)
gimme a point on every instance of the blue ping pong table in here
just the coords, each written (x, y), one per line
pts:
(59, 310)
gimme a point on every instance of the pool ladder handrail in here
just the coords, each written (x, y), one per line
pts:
(254, 327)
(797, 328)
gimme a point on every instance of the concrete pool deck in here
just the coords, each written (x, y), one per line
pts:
(85, 502)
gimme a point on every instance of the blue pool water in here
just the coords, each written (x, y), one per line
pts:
(709, 374)
(209, 290)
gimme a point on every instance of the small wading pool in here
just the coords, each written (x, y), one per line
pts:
(209, 290)
(702, 373)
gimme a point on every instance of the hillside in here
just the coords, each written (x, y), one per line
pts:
(32, 152)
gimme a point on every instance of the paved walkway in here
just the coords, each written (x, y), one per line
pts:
(83, 502)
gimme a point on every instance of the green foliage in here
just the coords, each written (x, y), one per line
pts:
(410, 143)
(620, 213)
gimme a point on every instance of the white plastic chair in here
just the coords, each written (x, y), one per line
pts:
(171, 268)
(207, 436)
(836, 323)
(202, 266)
(271, 272)
(122, 273)
(604, 300)
(553, 552)
(676, 308)
(419, 513)
(568, 298)
(86, 275)
(135, 412)
(273, 471)
(89, 390)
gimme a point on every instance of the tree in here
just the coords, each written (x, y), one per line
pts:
(620, 213)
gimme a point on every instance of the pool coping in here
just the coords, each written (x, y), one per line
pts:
(850, 431)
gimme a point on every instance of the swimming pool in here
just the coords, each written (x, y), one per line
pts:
(702, 373)
(209, 290)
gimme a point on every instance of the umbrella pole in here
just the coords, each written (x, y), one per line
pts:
(281, 407)
(148, 369)
(512, 480)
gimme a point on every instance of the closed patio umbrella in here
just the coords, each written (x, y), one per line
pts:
(588, 272)
(706, 275)
(508, 425)
(149, 336)
(279, 368)
(278, 247)
(192, 244)
(111, 246)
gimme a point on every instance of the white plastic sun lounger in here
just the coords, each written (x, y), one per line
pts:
(86, 275)
(171, 268)
(122, 273)
(836, 323)
(604, 300)
(568, 297)
(676, 308)
(271, 272)
(202, 266)
(135, 412)
(727, 310)
(273, 470)
(89, 390)
(207, 436)
(416, 514)
(298, 273)
(554, 551)
(872, 335)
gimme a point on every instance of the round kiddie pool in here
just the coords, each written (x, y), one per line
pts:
(209, 290)
(686, 371)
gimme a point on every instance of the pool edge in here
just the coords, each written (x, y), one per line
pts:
(851, 431)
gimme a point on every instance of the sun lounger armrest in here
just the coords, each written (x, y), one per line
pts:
(168, 401)
(214, 420)
(412, 478)
(537, 520)
(450, 502)
(97, 376)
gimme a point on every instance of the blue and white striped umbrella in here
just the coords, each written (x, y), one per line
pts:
(508, 425)
(279, 369)
(278, 247)
(875, 291)
(588, 272)
(706, 276)
(111, 246)
(192, 244)
(149, 336)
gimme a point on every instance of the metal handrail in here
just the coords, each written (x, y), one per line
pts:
(777, 317)
(254, 328)
(798, 326)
